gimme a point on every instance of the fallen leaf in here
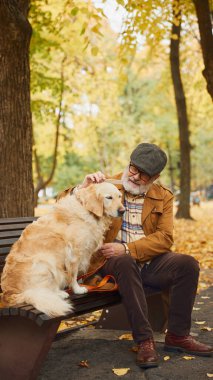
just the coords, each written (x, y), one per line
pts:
(134, 349)
(188, 357)
(83, 363)
(205, 297)
(200, 322)
(166, 358)
(90, 319)
(126, 337)
(206, 328)
(120, 371)
(196, 308)
(209, 374)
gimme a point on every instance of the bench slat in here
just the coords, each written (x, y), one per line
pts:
(4, 251)
(25, 219)
(91, 303)
(7, 242)
(13, 227)
(6, 234)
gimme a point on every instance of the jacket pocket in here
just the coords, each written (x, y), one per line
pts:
(154, 216)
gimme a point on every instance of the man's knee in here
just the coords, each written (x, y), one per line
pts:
(188, 263)
(125, 263)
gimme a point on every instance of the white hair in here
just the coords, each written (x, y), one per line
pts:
(133, 187)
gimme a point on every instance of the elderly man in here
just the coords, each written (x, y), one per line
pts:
(137, 252)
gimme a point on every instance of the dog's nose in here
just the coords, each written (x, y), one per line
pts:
(121, 211)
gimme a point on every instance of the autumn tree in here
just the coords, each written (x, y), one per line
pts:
(16, 186)
(57, 68)
(183, 124)
(204, 16)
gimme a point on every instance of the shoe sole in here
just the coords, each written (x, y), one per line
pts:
(179, 349)
(147, 365)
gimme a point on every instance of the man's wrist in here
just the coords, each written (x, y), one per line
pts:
(127, 251)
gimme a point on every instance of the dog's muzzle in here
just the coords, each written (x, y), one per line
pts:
(121, 212)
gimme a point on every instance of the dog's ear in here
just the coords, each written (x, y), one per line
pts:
(90, 200)
(63, 193)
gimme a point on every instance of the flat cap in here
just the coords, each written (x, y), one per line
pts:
(149, 158)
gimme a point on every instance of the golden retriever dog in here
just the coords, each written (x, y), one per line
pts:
(52, 250)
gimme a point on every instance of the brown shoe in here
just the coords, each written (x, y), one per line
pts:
(186, 344)
(147, 356)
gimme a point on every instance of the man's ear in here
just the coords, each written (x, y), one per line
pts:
(90, 200)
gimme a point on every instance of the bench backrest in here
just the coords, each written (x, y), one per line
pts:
(10, 230)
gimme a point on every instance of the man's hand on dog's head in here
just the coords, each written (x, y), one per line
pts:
(96, 177)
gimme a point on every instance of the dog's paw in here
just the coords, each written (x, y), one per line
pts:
(80, 290)
(63, 294)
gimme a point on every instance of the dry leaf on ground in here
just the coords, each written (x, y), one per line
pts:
(206, 328)
(166, 358)
(120, 371)
(84, 364)
(188, 357)
(194, 237)
(125, 337)
(134, 349)
(200, 322)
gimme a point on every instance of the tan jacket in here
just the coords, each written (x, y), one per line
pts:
(157, 222)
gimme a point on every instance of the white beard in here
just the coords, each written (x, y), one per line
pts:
(134, 188)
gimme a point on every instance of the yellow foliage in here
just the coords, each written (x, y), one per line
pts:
(174, 37)
(194, 237)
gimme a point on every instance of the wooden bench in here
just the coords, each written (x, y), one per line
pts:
(26, 334)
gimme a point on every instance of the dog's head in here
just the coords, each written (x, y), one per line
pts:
(101, 199)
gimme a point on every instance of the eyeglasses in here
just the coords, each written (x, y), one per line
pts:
(134, 171)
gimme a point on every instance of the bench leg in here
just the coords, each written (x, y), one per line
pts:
(23, 347)
(115, 317)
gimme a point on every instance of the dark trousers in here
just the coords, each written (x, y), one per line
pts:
(177, 272)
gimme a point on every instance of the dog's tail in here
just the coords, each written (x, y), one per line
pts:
(47, 301)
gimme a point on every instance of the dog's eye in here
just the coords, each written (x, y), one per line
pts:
(108, 197)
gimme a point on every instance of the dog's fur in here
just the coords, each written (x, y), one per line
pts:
(52, 250)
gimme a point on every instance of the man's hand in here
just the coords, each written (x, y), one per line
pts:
(109, 250)
(97, 177)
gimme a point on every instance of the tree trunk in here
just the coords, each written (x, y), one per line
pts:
(16, 185)
(184, 205)
(171, 168)
(206, 37)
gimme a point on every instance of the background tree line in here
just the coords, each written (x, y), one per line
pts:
(96, 93)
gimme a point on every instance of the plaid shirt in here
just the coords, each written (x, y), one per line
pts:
(131, 228)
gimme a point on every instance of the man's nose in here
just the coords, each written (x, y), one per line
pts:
(137, 176)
